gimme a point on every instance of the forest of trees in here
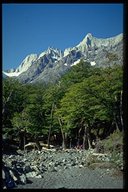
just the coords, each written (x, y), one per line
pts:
(85, 104)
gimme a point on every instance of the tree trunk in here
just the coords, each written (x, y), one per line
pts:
(85, 141)
(24, 139)
(64, 142)
(37, 143)
(78, 140)
(63, 135)
(48, 142)
(110, 129)
(116, 122)
(49, 134)
(70, 143)
(87, 138)
(21, 140)
(121, 112)
(118, 119)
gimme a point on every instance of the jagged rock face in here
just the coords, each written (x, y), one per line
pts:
(51, 64)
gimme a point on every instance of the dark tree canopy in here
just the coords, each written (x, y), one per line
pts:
(86, 100)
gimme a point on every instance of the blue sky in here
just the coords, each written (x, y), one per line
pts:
(32, 28)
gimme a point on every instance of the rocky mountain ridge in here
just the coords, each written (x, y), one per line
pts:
(51, 64)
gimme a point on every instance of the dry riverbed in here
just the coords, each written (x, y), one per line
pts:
(70, 169)
(76, 178)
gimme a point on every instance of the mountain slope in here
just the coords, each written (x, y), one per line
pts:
(53, 63)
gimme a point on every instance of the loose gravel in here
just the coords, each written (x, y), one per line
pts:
(71, 169)
(76, 178)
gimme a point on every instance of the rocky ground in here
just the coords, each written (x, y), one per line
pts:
(61, 169)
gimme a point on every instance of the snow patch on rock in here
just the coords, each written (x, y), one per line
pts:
(93, 63)
(24, 66)
(67, 51)
(42, 54)
(76, 62)
(12, 74)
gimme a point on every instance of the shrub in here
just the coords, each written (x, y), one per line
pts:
(114, 142)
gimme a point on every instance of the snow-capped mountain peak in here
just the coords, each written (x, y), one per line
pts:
(52, 52)
(27, 62)
(67, 51)
(42, 54)
(88, 36)
(90, 41)
(85, 40)
(53, 62)
(24, 66)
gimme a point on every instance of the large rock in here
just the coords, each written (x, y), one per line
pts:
(27, 169)
(23, 179)
(31, 174)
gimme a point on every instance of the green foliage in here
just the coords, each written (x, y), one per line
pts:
(114, 142)
(78, 73)
(112, 57)
(92, 99)
(36, 114)
(113, 145)
(86, 95)
(20, 122)
(13, 100)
